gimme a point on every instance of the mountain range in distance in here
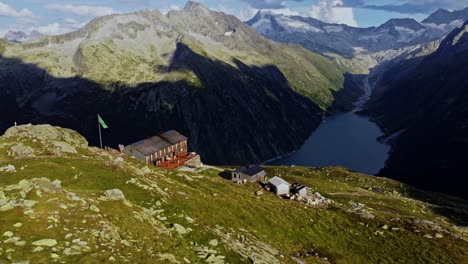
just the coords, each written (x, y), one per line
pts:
(362, 48)
(20, 36)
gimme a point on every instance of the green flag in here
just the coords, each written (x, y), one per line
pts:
(103, 124)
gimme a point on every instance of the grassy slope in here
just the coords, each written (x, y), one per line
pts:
(337, 235)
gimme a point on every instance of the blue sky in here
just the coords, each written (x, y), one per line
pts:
(56, 17)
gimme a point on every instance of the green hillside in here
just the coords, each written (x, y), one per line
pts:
(54, 208)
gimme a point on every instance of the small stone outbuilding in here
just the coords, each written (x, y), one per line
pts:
(251, 173)
(279, 186)
(299, 189)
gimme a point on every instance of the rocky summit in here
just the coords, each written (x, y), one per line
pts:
(94, 206)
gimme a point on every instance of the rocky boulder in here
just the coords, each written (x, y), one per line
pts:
(114, 195)
(48, 242)
(47, 133)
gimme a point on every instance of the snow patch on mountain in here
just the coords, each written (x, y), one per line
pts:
(328, 39)
(333, 29)
(295, 25)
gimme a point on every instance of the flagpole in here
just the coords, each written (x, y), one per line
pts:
(99, 126)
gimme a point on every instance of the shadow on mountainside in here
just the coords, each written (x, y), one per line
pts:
(238, 115)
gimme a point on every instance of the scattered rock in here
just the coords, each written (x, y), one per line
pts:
(117, 162)
(358, 209)
(38, 249)
(60, 148)
(439, 235)
(20, 243)
(22, 262)
(428, 236)
(189, 219)
(74, 250)
(379, 233)
(9, 168)
(12, 240)
(8, 234)
(114, 195)
(145, 170)
(180, 229)
(48, 242)
(167, 258)
(258, 193)
(6, 207)
(94, 208)
(20, 150)
(213, 243)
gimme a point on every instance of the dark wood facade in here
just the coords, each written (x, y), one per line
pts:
(158, 149)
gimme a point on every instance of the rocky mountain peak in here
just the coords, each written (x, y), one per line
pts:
(35, 35)
(196, 8)
(15, 36)
(442, 16)
(408, 23)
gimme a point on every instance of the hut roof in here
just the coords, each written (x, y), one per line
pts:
(151, 145)
(277, 181)
(250, 170)
(173, 137)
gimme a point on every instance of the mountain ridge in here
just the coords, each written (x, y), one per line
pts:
(350, 43)
(20, 36)
(442, 16)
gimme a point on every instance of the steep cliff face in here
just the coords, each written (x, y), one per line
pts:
(238, 96)
(425, 106)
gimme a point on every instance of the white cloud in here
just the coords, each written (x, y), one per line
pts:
(51, 29)
(56, 28)
(71, 21)
(3, 32)
(286, 11)
(247, 13)
(332, 11)
(9, 11)
(84, 10)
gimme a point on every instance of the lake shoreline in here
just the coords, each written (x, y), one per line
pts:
(347, 139)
